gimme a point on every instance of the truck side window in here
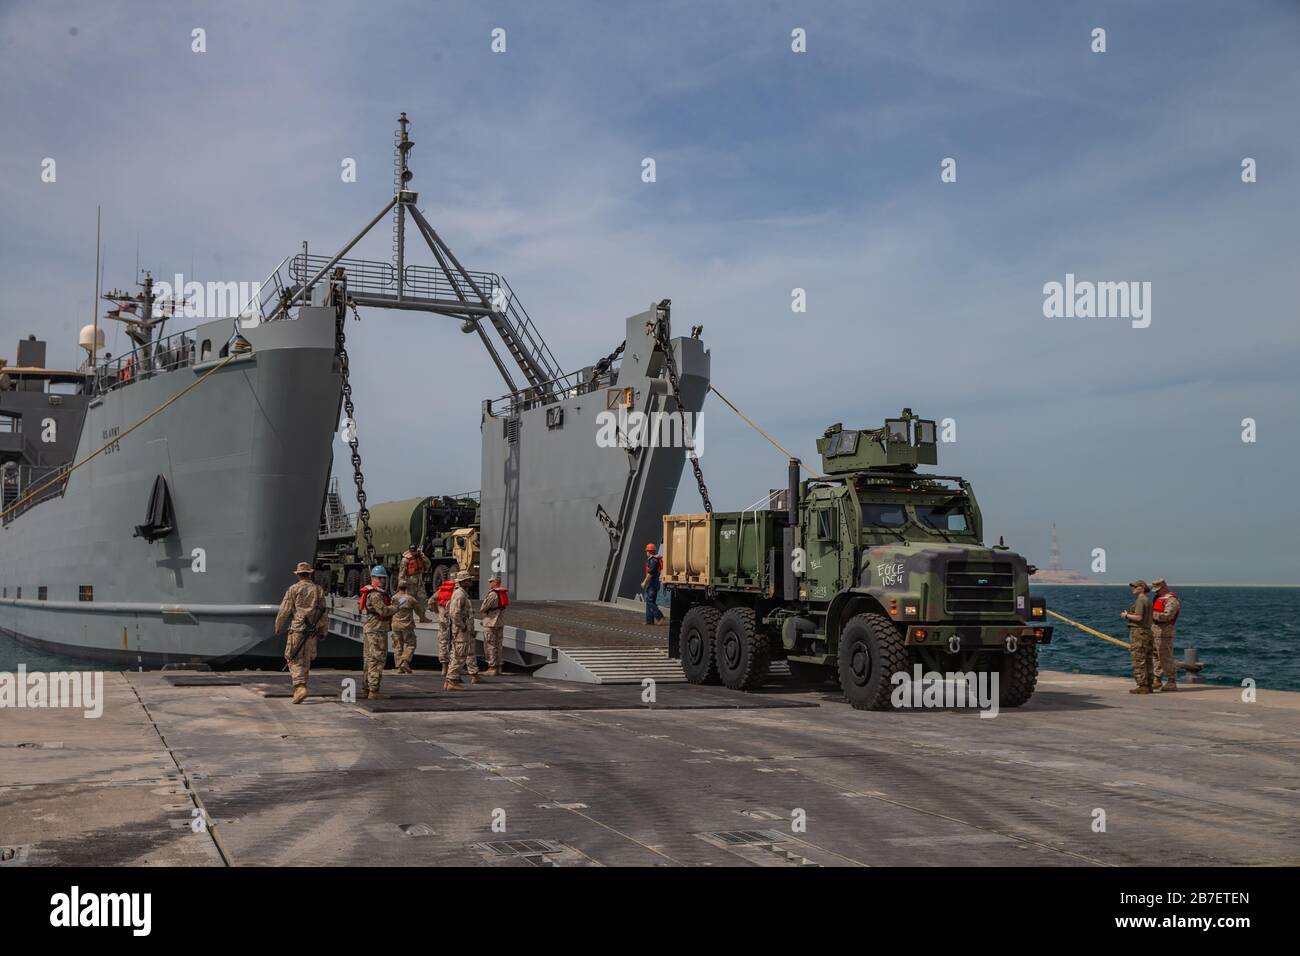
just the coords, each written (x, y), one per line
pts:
(825, 525)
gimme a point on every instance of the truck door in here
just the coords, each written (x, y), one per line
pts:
(823, 544)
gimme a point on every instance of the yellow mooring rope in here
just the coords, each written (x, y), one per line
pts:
(1086, 629)
(750, 423)
(64, 475)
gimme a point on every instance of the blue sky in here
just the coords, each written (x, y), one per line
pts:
(775, 170)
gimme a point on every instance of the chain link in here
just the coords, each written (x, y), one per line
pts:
(603, 365)
(358, 477)
(661, 336)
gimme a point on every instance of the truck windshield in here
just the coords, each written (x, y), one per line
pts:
(890, 515)
(950, 517)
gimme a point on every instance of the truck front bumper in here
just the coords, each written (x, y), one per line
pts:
(957, 637)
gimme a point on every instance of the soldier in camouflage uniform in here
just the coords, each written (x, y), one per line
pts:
(1164, 613)
(411, 571)
(376, 611)
(1141, 643)
(491, 608)
(445, 590)
(303, 610)
(461, 614)
(404, 608)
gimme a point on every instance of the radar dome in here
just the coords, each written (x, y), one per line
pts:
(92, 338)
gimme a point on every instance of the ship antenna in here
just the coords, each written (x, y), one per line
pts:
(94, 307)
(401, 176)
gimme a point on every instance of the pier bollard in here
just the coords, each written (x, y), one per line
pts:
(1192, 665)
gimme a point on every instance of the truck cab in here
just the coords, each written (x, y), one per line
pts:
(871, 566)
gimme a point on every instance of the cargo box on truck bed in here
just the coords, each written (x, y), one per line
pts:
(736, 550)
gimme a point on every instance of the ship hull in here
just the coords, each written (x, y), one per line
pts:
(246, 458)
(565, 514)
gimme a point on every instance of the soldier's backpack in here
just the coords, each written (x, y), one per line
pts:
(502, 597)
(365, 593)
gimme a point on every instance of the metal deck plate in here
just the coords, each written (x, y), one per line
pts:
(1194, 779)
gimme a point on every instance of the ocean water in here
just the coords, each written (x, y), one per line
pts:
(1240, 632)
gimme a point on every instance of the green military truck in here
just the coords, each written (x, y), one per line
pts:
(856, 575)
(445, 527)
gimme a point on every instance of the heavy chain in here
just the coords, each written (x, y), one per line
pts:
(358, 478)
(603, 365)
(661, 337)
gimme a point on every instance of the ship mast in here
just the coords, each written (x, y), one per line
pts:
(142, 312)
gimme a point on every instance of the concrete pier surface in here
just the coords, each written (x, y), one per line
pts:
(590, 775)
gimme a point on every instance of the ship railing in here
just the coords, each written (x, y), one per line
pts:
(433, 285)
(172, 352)
(334, 519)
(524, 330)
(24, 487)
(573, 384)
(266, 300)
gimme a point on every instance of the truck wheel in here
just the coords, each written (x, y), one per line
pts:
(743, 655)
(439, 575)
(871, 652)
(1019, 676)
(352, 583)
(698, 634)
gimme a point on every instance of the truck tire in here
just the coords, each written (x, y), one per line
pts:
(352, 583)
(440, 574)
(1019, 676)
(743, 654)
(871, 652)
(698, 634)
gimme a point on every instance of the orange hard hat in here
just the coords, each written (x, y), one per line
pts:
(649, 547)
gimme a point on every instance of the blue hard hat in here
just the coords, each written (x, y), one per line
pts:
(379, 571)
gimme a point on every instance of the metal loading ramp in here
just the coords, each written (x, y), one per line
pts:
(609, 665)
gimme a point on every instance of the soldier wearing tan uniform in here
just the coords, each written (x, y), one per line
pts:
(411, 571)
(404, 608)
(303, 610)
(461, 615)
(1141, 644)
(1164, 614)
(445, 590)
(376, 612)
(492, 607)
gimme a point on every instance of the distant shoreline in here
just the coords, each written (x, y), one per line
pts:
(1176, 584)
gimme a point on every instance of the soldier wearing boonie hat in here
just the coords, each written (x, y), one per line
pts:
(303, 610)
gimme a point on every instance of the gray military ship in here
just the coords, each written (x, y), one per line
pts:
(154, 504)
